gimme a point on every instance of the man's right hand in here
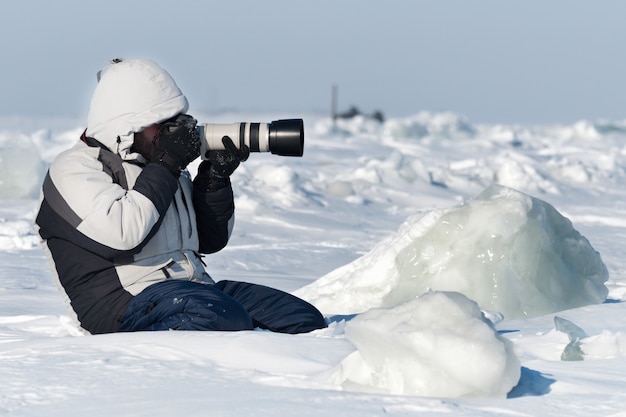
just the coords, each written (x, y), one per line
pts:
(177, 143)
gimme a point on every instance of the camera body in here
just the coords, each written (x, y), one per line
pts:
(280, 137)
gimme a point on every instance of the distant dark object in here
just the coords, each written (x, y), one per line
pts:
(378, 115)
(354, 111)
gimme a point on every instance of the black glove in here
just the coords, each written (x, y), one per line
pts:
(177, 143)
(214, 172)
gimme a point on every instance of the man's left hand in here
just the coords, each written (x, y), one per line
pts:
(225, 162)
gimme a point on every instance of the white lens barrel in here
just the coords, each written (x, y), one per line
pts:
(281, 137)
(253, 135)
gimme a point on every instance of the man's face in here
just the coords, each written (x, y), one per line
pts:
(143, 141)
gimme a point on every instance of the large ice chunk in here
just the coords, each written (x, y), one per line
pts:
(508, 251)
(439, 344)
(21, 168)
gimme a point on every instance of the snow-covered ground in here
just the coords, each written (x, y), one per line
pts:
(343, 214)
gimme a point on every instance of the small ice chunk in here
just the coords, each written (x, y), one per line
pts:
(439, 344)
(572, 351)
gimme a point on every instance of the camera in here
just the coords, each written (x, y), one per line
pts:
(280, 137)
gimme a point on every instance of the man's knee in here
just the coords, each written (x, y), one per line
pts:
(184, 305)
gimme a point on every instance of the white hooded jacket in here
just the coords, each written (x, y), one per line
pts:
(112, 224)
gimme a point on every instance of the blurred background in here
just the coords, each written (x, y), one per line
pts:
(493, 61)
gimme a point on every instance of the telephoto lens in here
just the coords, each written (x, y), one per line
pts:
(281, 137)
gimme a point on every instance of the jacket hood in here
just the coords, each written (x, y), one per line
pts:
(131, 95)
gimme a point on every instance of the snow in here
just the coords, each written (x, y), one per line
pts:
(361, 188)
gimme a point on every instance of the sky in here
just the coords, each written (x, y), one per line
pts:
(492, 61)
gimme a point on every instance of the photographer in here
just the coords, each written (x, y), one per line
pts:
(123, 223)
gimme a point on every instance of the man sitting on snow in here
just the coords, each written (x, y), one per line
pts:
(124, 224)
